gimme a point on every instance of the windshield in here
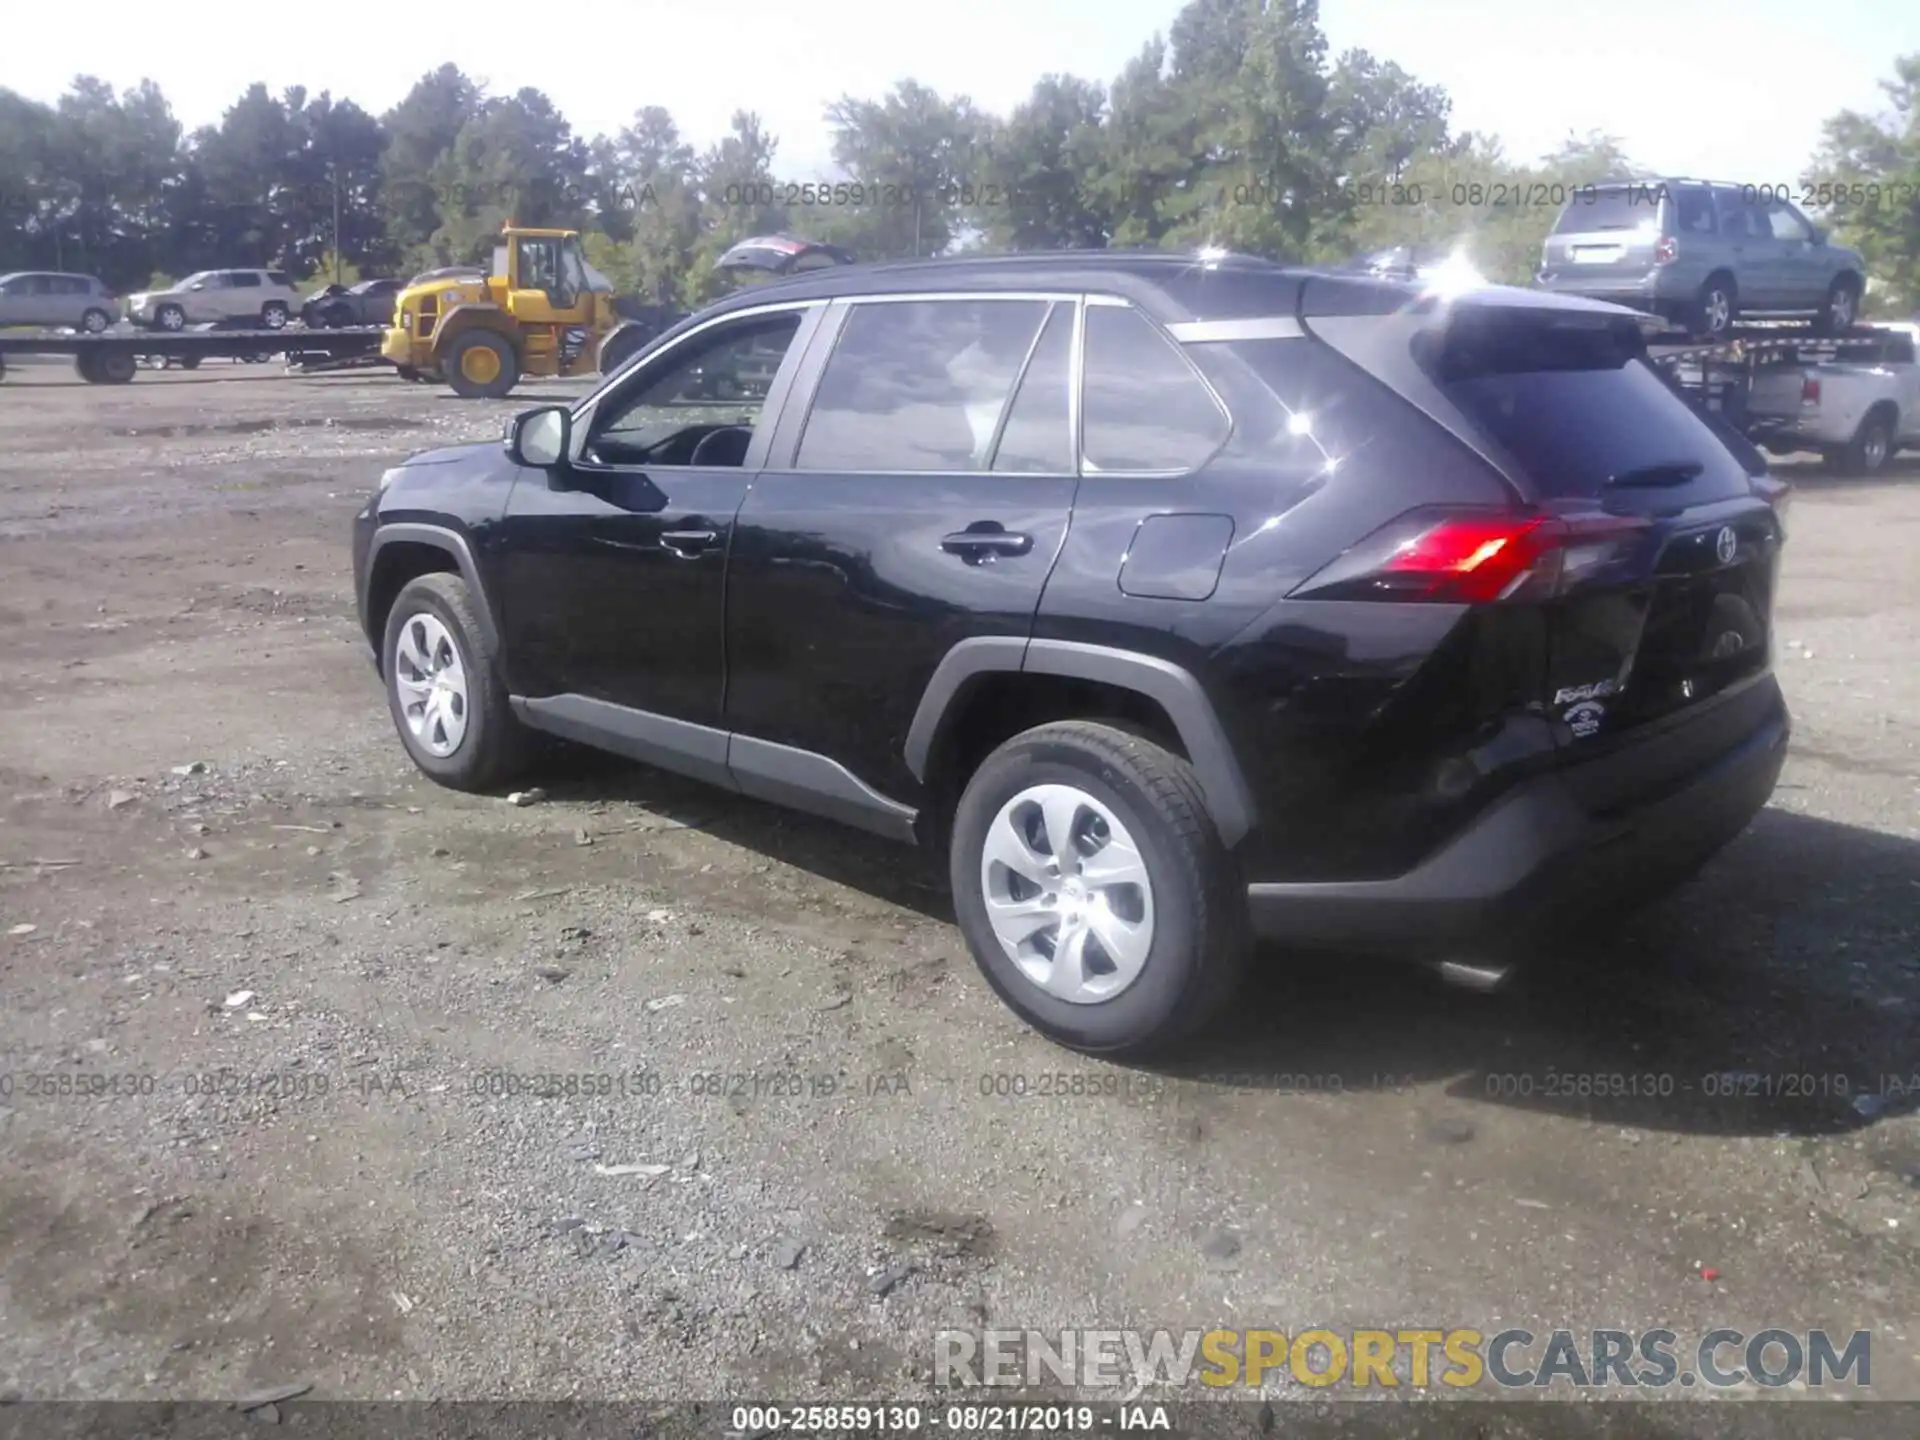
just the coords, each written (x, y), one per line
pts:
(198, 277)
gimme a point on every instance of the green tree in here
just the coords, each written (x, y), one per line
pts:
(1873, 164)
(917, 150)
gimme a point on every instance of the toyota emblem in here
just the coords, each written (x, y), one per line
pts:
(1726, 544)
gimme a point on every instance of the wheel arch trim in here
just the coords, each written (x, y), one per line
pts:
(1173, 688)
(455, 546)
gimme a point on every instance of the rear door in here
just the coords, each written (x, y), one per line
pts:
(243, 296)
(917, 494)
(1663, 598)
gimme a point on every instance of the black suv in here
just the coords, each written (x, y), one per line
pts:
(1177, 599)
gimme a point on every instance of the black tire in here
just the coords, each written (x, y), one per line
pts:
(1200, 931)
(496, 746)
(620, 347)
(170, 318)
(189, 362)
(1841, 309)
(1716, 309)
(273, 315)
(96, 320)
(1871, 447)
(106, 367)
(501, 385)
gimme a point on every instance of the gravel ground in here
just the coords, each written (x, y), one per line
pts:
(277, 1026)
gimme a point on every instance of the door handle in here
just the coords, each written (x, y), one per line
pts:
(978, 545)
(688, 543)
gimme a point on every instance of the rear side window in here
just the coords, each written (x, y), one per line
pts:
(919, 385)
(1618, 207)
(1693, 211)
(1143, 407)
(1575, 403)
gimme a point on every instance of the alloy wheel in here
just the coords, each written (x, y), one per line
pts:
(431, 684)
(1067, 893)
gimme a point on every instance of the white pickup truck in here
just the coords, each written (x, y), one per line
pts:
(1857, 410)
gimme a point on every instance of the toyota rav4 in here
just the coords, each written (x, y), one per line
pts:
(1175, 601)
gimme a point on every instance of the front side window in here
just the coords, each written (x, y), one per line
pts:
(1143, 406)
(919, 385)
(699, 403)
(245, 280)
(1786, 223)
(539, 265)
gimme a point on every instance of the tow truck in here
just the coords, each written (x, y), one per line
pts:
(1854, 398)
(114, 357)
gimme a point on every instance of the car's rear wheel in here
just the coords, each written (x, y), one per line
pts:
(1870, 448)
(1094, 891)
(444, 690)
(1841, 308)
(273, 315)
(482, 366)
(1716, 309)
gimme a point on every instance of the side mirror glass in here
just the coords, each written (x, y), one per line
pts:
(1819, 236)
(539, 438)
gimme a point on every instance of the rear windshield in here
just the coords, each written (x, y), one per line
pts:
(1573, 400)
(1618, 208)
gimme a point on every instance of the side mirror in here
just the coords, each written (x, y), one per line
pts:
(540, 438)
(198, 285)
(1819, 235)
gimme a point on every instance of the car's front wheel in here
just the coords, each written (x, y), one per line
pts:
(169, 317)
(1094, 891)
(96, 321)
(444, 690)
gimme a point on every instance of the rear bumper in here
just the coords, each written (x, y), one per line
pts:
(1641, 290)
(1538, 861)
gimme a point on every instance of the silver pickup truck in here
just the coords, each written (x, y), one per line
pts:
(1857, 411)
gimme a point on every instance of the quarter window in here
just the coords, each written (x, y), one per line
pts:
(1143, 406)
(919, 385)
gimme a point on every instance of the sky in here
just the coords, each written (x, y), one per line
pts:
(1730, 90)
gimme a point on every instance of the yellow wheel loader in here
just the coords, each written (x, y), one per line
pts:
(540, 310)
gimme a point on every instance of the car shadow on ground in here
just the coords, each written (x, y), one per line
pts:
(1777, 993)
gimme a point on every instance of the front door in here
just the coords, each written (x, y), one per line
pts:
(917, 500)
(614, 564)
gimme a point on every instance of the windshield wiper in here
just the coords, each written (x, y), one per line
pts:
(1665, 472)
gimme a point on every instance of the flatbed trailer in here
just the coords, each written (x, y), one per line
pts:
(114, 358)
(1718, 375)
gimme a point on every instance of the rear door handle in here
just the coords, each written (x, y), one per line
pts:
(688, 542)
(979, 545)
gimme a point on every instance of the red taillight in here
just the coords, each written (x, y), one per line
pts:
(1667, 251)
(1810, 390)
(1472, 559)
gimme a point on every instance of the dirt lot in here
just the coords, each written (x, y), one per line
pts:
(304, 995)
